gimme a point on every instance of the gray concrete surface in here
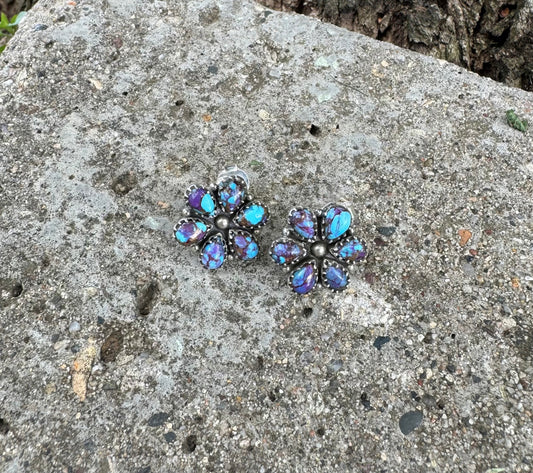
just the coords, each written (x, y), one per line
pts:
(110, 109)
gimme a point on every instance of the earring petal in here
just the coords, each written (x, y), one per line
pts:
(304, 223)
(213, 253)
(244, 245)
(286, 251)
(303, 279)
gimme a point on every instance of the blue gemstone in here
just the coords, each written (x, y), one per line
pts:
(231, 194)
(351, 250)
(213, 253)
(286, 251)
(335, 278)
(336, 222)
(190, 232)
(303, 280)
(303, 223)
(253, 215)
(245, 246)
(202, 201)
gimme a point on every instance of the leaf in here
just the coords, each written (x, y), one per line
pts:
(17, 18)
(514, 121)
(3, 20)
(2, 48)
(255, 163)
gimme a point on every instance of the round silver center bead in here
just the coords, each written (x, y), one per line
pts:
(319, 249)
(222, 222)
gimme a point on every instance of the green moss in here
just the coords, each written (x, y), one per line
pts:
(8, 28)
(516, 122)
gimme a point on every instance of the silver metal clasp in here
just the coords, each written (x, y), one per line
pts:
(234, 171)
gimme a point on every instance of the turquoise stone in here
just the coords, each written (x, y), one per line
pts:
(245, 246)
(286, 251)
(351, 250)
(303, 223)
(253, 215)
(190, 232)
(202, 201)
(335, 278)
(303, 280)
(336, 223)
(231, 193)
(213, 253)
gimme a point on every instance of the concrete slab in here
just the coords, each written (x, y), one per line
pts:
(109, 110)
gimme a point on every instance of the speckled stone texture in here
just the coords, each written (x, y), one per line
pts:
(110, 110)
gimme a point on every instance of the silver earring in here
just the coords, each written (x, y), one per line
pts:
(318, 248)
(221, 220)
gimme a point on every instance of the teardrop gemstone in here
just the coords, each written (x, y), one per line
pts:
(231, 193)
(201, 200)
(350, 250)
(252, 216)
(213, 253)
(304, 223)
(286, 251)
(336, 222)
(244, 246)
(335, 277)
(303, 280)
(190, 231)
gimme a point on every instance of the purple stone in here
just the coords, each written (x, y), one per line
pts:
(245, 246)
(351, 250)
(213, 253)
(303, 280)
(190, 232)
(231, 193)
(335, 278)
(201, 200)
(286, 251)
(337, 221)
(303, 222)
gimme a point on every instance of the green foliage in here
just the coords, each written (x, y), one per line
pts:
(515, 122)
(8, 27)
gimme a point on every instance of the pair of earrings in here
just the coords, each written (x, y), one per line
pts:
(318, 248)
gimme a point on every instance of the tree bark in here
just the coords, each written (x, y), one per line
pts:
(14, 7)
(493, 38)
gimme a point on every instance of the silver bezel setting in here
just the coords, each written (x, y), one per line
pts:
(299, 266)
(209, 240)
(232, 234)
(337, 248)
(322, 216)
(192, 220)
(243, 195)
(315, 225)
(192, 211)
(327, 264)
(243, 208)
(288, 240)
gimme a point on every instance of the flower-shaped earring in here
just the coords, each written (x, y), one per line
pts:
(221, 218)
(325, 251)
